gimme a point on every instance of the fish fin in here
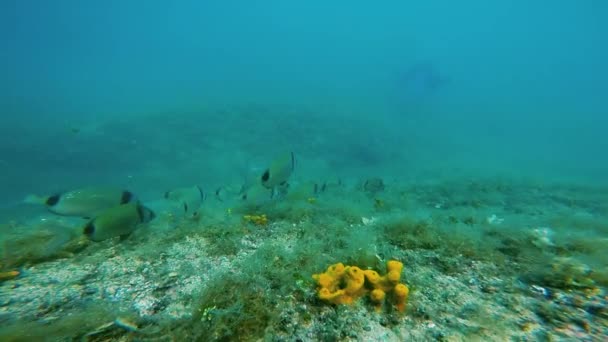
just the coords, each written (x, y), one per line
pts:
(218, 194)
(203, 194)
(149, 215)
(57, 242)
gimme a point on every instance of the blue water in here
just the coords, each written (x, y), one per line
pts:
(525, 96)
(465, 139)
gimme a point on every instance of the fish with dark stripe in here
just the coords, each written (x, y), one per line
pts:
(189, 199)
(279, 171)
(120, 220)
(85, 202)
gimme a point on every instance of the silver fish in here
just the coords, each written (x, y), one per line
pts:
(85, 202)
(120, 220)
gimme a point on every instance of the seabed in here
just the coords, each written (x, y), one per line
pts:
(484, 260)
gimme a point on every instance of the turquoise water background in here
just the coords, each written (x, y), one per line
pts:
(150, 94)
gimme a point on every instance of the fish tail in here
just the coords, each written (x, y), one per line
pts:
(202, 193)
(34, 199)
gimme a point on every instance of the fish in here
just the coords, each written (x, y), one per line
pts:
(308, 189)
(189, 198)
(417, 83)
(302, 190)
(258, 190)
(328, 185)
(120, 220)
(225, 193)
(85, 202)
(279, 171)
(257, 194)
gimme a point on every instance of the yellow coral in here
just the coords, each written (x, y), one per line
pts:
(387, 282)
(260, 220)
(332, 297)
(377, 296)
(401, 294)
(374, 279)
(342, 284)
(331, 278)
(354, 284)
(394, 269)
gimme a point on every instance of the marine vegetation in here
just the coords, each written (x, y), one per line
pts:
(475, 270)
(44, 241)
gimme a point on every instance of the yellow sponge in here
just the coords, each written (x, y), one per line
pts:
(341, 284)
